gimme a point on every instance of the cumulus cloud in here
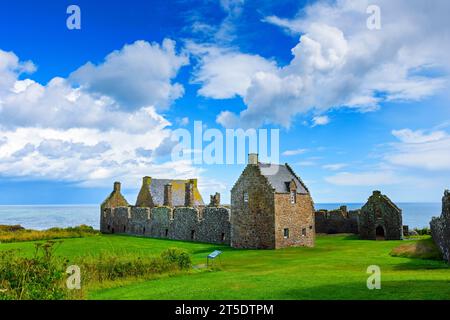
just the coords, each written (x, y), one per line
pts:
(138, 75)
(86, 132)
(320, 121)
(225, 73)
(420, 149)
(339, 62)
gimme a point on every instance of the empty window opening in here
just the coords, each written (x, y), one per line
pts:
(166, 232)
(192, 234)
(286, 233)
(223, 236)
(143, 231)
(124, 228)
(303, 232)
(245, 196)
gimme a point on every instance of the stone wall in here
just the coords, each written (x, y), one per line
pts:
(440, 227)
(204, 224)
(337, 221)
(297, 218)
(252, 222)
(380, 213)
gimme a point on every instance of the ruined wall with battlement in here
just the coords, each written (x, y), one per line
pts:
(203, 224)
(337, 221)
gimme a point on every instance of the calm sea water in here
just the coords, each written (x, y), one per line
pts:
(44, 217)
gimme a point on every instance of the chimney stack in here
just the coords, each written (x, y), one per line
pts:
(168, 195)
(215, 200)
(253, 158)
(117, 186)
(189, 194)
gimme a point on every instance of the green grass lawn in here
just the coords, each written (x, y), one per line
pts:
(334, 269)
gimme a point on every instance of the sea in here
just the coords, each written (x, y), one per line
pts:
(41, 217)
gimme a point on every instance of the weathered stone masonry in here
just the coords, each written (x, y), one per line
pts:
(440, 227)
(268, 210)
(337, 221)
(207, 224)
(271, 208)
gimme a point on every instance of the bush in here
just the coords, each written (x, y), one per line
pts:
(18, 233)
(107, 267)
(423, 231)
(178, 256)
(38, 278)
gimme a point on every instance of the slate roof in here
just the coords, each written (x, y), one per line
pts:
(178, 192)
(279, 176)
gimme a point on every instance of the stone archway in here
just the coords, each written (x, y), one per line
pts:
(379, 233)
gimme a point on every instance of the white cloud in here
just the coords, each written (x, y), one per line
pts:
(339, 62)
(294, 152)
(225, 73)
(371, 178)
(418, 149)
(335, 166)
(320, 121)
(91, 134)
(138, 75)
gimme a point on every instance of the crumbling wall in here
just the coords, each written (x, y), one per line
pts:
(215, 225)
(337, 221)
(211, 224)
(161, 218)
(440, 227)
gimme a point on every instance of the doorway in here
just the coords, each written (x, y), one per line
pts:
(379, 233)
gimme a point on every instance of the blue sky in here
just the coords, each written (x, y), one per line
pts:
(357, 109)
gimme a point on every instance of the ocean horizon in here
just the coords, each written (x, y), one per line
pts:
(41, 217)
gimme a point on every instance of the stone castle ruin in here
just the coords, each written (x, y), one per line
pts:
(170, 209)
(271, 208)
(378, 219)
(440, 227)
(267, 210)
(337, 221)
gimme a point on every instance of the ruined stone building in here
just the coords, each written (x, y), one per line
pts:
(380, 218)
(270, 208)
(337, 221)
(170, 209)
(440, 227)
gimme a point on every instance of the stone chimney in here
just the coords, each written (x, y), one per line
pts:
(189, 194)
(376, 193)
(116, 186)
(253, 158)
(168, 195)
(215, 200)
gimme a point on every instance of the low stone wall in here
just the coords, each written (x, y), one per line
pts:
(203, 224)
(440, 227)
(337, 221)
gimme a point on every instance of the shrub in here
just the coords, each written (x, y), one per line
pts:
(178, 256)
(110, 267)
(18, 233)
(38, 278)
(423, 231)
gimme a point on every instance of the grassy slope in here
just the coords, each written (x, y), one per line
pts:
(334, 269)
